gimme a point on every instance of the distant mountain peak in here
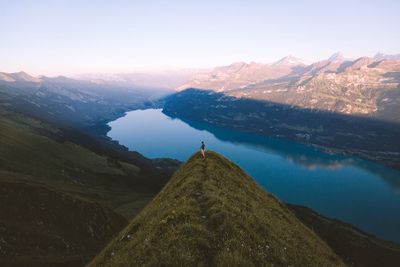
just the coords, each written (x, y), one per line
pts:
(379, 55)
(6, 77)
(289, 60)
(241, 63)
(338, 56)
(382, 56)
(23, 76)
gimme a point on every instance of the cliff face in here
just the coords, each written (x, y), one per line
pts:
(212, 214)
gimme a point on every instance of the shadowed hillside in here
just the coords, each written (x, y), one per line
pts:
(212, 214)
(371, 139)
(61, 201)
(355, 247)
(40, 227)
(37, 152)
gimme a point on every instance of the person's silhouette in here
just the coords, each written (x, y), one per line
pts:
(203, 149)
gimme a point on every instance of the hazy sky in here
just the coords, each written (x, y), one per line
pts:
(70, 37)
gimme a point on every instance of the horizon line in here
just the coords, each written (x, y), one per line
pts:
(164, 70)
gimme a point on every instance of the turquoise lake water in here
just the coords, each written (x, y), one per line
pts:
(359, 192)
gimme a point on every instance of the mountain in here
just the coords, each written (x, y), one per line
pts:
(71, 163)
(19, 77)
(364, 86)
(66, 101)
(380, 56)
(54, 132)
(289, 60)
(362, 62)
(332, 132)
(166, 80)
(64, 191)
(338, 56)
(41, 227)
(141, 80)
(212, 214)
(241, 74)
(355, 247)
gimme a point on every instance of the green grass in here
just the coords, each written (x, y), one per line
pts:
(29, 152)
(63, 198)
(212, 214)
(355, 247)
(26, 151)
(41, 227)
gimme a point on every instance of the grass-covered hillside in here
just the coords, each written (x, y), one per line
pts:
(37, 152)
(41, 227)
(212, 214)
(356, 248)
(64, 195)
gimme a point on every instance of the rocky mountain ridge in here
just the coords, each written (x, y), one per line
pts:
(364, 86)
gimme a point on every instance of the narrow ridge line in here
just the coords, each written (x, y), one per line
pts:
(202, 199)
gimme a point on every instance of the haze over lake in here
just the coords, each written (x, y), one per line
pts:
(364, 194)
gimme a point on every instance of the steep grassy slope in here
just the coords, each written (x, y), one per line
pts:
(212, 214)
(30, 151)
(40, 227)
(356, 248)
(61, 201)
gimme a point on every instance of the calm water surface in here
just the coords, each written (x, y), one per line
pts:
(364, 194)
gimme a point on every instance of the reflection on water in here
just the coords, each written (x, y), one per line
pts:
(307, 156)
(347, 188)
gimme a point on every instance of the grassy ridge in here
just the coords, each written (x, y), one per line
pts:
(212, 214)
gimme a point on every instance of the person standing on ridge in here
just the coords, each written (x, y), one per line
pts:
(203, 149)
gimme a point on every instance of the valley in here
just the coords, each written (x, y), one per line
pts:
(54, 145)
(66, 189)
(346, 188)
(368, 138)
(199, 133)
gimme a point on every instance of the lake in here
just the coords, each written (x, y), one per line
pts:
(359, 192)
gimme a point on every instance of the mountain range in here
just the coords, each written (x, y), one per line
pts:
(163, 80)
(367, 86)
(67, 190)
(368, 138)
(63, 100)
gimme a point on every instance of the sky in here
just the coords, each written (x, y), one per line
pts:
(75, 36)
